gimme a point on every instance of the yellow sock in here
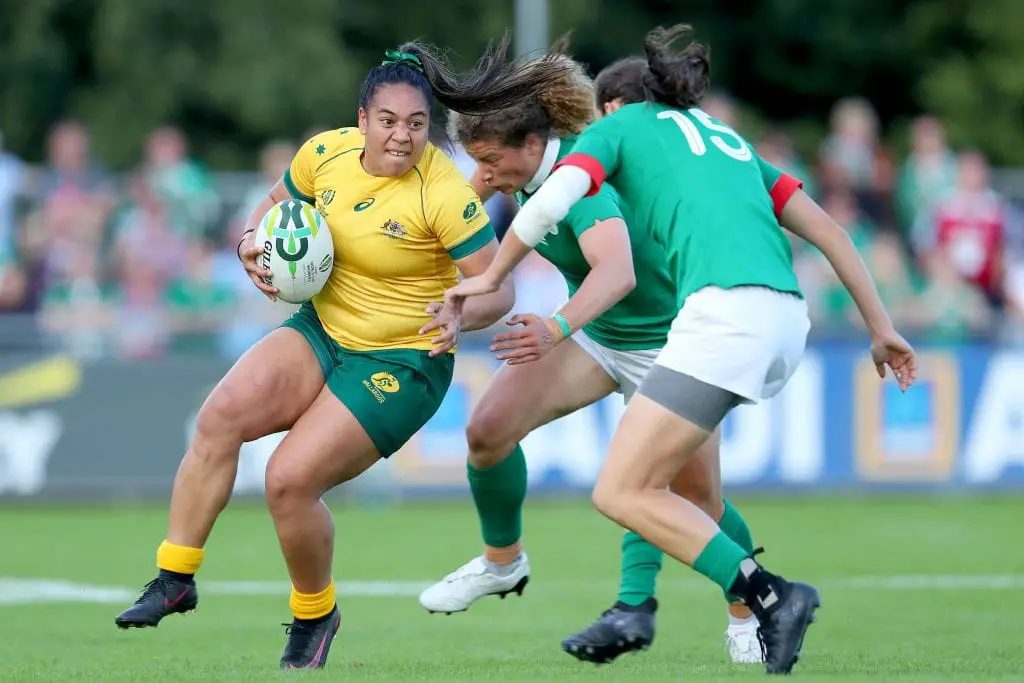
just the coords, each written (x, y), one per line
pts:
(178, 558)
(312, 605)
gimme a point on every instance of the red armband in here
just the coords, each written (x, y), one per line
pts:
(589, 164)
(782, 191)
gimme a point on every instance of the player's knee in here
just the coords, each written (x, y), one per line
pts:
(219, 419)
(609, 499)
(486, 436)
(285, 484)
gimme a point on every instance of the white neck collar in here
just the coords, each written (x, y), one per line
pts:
(547, 163)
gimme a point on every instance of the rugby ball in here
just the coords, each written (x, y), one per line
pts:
(297, 250)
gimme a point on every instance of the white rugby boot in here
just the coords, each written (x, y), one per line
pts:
(476, 579)
(743, 643)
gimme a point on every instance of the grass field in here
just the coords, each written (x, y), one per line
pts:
(914, 589)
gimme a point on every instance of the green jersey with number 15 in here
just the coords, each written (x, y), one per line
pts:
(699, 189)
(641, 320)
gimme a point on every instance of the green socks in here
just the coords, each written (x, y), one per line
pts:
(735, 527)
(641, 563)
(499, 492)
(720, 561)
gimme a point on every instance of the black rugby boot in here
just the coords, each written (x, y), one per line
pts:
(168, 593)
(621, 629)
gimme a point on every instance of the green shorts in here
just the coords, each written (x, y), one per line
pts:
(391, 392)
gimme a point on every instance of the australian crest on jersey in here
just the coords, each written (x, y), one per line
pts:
(324, 201)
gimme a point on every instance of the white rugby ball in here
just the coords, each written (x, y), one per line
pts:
(297, 250)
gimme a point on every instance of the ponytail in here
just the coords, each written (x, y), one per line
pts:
(495, 83)
(562, 108)
(569, 102)
(677, 79)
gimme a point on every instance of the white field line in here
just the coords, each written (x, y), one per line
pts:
(950, 582)
(25, 591)
(20, 591)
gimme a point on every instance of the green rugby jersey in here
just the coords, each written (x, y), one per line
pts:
(699, 190)
(641, 320)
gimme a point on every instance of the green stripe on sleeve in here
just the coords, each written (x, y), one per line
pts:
(477, 241)
(294, 191)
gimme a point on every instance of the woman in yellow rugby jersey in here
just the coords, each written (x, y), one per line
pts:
(351, 374)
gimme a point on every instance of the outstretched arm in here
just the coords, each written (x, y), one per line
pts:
(484, 311)
(566, 186)
(480, 313)
(605, 245)
(806, 219)
(802, 216)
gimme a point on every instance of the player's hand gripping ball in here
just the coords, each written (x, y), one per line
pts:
(297, 249)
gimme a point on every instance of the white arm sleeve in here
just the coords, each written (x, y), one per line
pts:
(542, 211)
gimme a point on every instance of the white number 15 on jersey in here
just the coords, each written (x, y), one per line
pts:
(738, 149)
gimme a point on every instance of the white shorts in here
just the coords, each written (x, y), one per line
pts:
(627, 368)
(746, 340)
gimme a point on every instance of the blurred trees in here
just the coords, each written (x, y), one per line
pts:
(975, 76)
(237, 72)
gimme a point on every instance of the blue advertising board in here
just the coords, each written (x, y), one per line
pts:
(77, 430)
(836, 425)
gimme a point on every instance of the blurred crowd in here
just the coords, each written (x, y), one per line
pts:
(944, 247)
(141, 264)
